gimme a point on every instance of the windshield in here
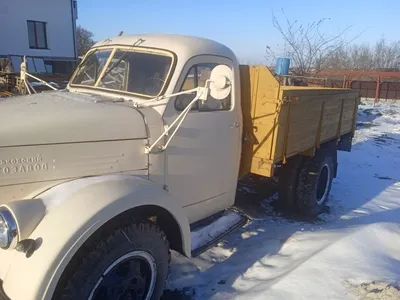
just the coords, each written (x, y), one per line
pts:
(130, 71)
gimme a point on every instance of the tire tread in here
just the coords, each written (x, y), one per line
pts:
(306, 187)
(67, 288)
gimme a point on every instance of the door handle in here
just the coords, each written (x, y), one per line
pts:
(235, 125)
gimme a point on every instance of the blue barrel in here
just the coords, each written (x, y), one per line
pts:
(282, 66)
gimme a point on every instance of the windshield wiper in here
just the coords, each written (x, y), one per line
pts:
(135, 44)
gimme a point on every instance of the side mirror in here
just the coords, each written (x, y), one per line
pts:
(220, 82)
(219, 85)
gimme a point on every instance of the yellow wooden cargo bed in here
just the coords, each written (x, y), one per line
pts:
(282, 121)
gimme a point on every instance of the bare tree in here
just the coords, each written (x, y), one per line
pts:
(306, 45)
(84, 39)
(387, 55)
(382, 56)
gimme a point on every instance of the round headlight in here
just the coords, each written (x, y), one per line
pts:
(8, 229)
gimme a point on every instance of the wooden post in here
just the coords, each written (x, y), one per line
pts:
(285, 142)
(378, 88)
(340, 122)
(354, 125)
(321, 118)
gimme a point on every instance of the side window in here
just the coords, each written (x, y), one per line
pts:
(190, 83)
(197, 76)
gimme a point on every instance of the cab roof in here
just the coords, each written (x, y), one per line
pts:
(181, 45)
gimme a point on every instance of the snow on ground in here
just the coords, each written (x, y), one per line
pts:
(351, 252)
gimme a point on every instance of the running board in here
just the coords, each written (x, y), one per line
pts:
(209, 235)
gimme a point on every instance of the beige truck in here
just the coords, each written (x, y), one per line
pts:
(99, 181)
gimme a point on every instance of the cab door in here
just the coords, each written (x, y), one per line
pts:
(202, 160)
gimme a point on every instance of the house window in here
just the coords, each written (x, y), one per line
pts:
(37, 35)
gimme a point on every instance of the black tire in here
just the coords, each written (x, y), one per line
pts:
(143, 240)
(287, 184)
(315, 182)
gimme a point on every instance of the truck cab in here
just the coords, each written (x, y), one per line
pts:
(200, 165)
(76, 160)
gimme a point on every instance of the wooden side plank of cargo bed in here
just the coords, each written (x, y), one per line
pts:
(282, 121)
(315, 120)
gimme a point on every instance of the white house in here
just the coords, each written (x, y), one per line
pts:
(42, 30)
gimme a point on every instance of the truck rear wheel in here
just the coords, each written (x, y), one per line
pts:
(127, 263)
(287, 185)
(314, 182)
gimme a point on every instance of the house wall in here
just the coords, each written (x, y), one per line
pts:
(14, 29)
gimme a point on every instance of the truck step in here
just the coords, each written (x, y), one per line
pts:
(209, 235)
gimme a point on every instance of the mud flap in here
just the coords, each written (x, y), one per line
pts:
(336, 169)
(209, 235)
(345, 142)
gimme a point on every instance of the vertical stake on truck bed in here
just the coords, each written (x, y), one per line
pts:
(353, 127)
(321, 117)
(340, 122)
(285, 142)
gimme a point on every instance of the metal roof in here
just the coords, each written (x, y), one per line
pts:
(183, 46)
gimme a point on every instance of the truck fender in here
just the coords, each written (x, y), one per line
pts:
(74, 211)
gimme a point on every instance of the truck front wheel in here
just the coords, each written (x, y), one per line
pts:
(314, 183)
(127, 263)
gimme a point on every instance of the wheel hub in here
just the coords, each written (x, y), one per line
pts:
(132, 278)
(130, 289)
